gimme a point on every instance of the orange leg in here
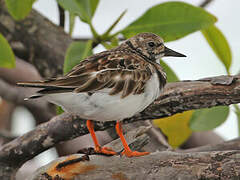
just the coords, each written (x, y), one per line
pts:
(98, 148)
(127, 151)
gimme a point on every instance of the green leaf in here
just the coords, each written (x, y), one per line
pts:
(219, 44)
(207, 119)
(171, 21)
(175, 127)
(7, 58)
(59, 110)
(19, 9)
(85, 9)
(75, 53)
(171, 76)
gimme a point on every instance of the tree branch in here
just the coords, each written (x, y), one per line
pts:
(164, 165)
(177, 97)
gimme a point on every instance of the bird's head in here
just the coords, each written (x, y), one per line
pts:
(151, 46)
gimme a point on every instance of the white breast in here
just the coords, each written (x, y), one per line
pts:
(103, 107)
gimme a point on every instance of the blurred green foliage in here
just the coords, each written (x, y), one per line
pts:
(7, 59)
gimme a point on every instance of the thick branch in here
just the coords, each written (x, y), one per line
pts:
(177, 97)
(187, 95)
(160, 165)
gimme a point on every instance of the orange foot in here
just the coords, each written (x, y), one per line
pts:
(105, 150)
(134, 153)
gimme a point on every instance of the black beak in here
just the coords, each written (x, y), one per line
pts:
(169, 52)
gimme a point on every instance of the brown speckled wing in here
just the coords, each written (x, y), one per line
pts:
(123, 72)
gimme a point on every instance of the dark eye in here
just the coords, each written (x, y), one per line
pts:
(151, 44)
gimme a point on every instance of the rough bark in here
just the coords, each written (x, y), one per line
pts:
(36, 40)
(159, 165)
(164, 165)
(177, 97)
(186, 95)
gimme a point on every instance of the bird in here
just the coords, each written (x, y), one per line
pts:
(111, 85)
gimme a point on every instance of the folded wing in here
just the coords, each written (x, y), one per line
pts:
(120, 72)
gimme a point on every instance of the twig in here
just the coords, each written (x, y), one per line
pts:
(205, 3)
(61, 16)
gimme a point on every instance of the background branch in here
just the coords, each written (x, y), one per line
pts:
(17, 95)
(46, 43)
(24, 71)
(226, 146)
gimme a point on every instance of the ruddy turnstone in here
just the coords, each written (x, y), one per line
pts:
(111, 85)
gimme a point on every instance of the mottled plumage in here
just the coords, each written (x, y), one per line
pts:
(124, 69)
(111, 85)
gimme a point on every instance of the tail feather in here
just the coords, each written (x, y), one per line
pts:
(35, 96)
(37, 84)
(46, 89)
(53, 86)
(53, 90)
(64, 82)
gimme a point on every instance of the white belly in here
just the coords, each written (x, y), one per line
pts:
(103, 107)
